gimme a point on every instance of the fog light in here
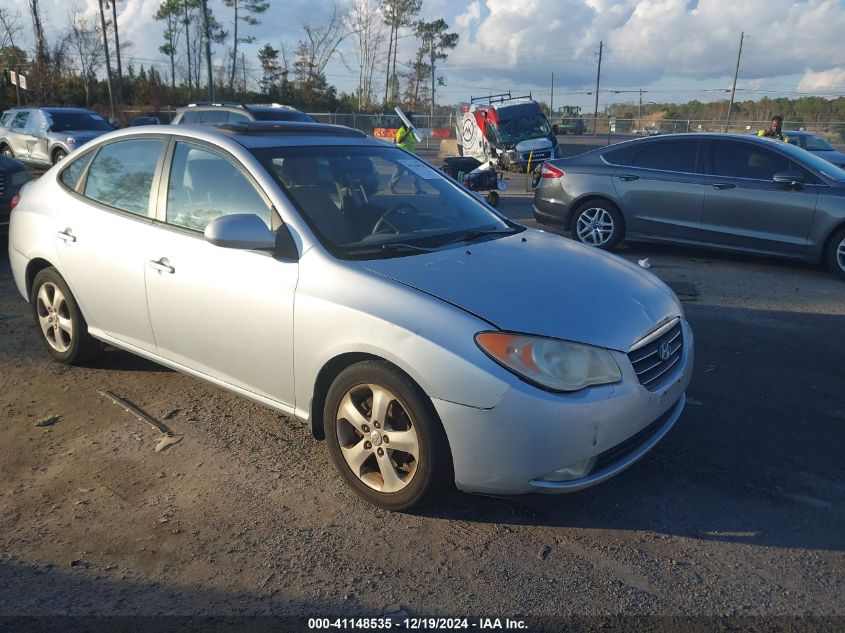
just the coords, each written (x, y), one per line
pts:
(573, 471)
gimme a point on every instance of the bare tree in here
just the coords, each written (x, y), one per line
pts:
(320, 45)
(10, 26)
(396, 14)
(367, 28)
(85, 38)
(168, 12)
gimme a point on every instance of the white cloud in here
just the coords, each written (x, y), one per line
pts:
(832, 80)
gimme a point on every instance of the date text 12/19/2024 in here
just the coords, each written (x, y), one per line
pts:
(413, 624)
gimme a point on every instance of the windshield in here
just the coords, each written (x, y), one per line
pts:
(816, 144)
(814, 162)
(63, 121)
(522, 128)
(378, 201)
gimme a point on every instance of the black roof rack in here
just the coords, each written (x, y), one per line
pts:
(290, 127)
(499, 98)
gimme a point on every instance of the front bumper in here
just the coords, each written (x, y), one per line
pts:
(531, 433)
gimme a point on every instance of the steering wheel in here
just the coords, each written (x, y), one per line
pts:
(383, 223)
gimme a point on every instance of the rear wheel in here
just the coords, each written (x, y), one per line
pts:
(598, 223)
(61, 326)
(59, 156)
(6, 151)
(385, 437)
(836, 253)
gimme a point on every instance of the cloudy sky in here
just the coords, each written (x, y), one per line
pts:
(675, 50)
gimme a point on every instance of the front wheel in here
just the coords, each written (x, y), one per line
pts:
(598, 223)
(7, 152)
(836, 253)
(59, 155)
(61, 326)
(385, 437)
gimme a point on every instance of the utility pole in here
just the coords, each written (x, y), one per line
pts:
(108, 61)
(208, 49)
(431, 122)
(598, 80)
(736, 74)
(552, 99)
(640, 112)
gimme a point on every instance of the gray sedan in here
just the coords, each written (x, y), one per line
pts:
(721, 191)
(817, 145)
(342, 280)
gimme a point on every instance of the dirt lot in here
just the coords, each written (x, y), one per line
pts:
(739, 511)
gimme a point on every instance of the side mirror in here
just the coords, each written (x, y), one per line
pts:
(242, 230)
(791, 179)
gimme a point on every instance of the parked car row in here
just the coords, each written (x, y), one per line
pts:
(41, 137)
(730, 192)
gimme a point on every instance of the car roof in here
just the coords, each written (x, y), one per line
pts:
(663, 138)
(69, 110)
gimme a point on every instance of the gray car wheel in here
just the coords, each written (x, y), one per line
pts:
(836, 253)
(59, 155)
(385, 437)
(7, 152)
(598, 223)
(61, 326)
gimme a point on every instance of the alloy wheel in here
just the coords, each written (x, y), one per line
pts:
(377, 438)
(840, 254)
(54, 317)
(595, 226)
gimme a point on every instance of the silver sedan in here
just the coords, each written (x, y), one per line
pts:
(343, 281)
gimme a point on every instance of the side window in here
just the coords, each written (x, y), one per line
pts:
(743, 160)
(189, 117)
(204, 185)
(213, 116)
(70, 174)
(623, 156)
(121, 174)
(19, 122)
(668, 156)
(237, 117)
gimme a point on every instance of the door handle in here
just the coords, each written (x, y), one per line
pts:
(724, 185)
(66, 236)
(628, 177)
(162, 266)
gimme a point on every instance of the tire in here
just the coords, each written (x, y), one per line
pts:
(598, 223)
(359, 443)
(7, 152)
(493, 198)
(61, 326)
(836, 253)
(59, 155)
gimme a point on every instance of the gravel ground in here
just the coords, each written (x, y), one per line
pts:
(740, 511)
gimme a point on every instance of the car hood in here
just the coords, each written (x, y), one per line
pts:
(538, 283)
(831, 156)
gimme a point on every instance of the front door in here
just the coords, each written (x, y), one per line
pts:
(745, 208)
(226, 313)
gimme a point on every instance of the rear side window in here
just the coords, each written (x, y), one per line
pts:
(237, 117)
(668, 156)
(70, 174)
(213, 116)
(743, 160)
(121, 174)
(623, 156)
(189, 117)
(19, 122)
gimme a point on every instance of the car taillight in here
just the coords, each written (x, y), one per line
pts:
(15, 200)
(550, 171)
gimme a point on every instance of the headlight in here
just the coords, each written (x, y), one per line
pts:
(20, 177)
(550, 363)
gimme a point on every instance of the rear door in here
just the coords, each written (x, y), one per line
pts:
(17, 134)
(744, 208)
(36, 138)
(661, 187)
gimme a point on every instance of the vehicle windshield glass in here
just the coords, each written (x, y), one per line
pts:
(814, 162)
(378, 201)
(282, 114)
(63, 121)
(816, 144)
(522, 128)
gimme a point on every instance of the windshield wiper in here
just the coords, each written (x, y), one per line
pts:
(474, 234)
(390, 248)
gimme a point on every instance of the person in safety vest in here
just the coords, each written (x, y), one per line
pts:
(405, 139)
(775, 130)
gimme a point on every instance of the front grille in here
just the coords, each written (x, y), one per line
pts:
(651, 369)
(2, 185)
(623, 449)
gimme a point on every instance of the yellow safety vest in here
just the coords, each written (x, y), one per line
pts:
(405, 139)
